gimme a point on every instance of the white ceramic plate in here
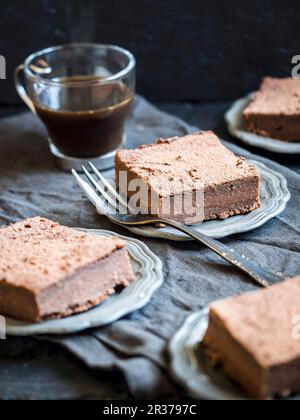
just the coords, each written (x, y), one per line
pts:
(274, 197)
(238, 129)
(149, 277)
(191, 368)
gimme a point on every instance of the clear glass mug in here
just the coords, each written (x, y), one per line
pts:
(83, 94)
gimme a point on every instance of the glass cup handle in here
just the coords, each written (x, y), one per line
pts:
(21, 89)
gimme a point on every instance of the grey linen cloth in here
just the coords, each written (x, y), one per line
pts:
(136, 345)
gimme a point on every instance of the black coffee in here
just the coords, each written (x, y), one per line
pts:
(89, 120)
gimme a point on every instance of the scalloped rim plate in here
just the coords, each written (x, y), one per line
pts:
(236, 127)
(149, 277)
(274, 198)
(191, 368)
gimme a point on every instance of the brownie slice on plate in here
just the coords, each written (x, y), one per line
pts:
(183, 168)
(51, 271)
(255, 338)
(275, 109)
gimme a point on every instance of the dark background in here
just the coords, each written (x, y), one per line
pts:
(187, 50)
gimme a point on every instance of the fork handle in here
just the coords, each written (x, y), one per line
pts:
(260, 275)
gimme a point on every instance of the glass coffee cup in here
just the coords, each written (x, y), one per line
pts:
(83, 93)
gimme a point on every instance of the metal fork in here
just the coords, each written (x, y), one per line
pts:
(104, 196)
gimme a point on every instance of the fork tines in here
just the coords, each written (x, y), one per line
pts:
(105, 189)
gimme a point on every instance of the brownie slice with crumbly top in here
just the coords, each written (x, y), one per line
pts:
(178, 168)
(51, 271)
(274, 110)
(255, 338)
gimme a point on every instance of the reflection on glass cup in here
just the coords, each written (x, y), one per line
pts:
(83, 93)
